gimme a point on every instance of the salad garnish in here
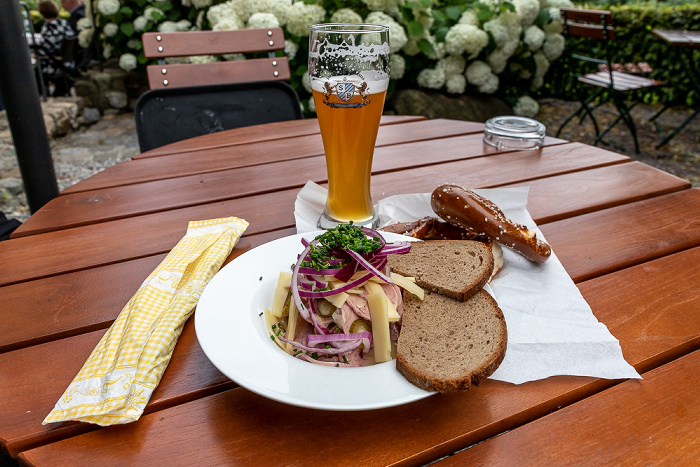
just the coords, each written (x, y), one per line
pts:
(340, 305)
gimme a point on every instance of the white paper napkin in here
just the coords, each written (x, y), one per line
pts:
(551, 329)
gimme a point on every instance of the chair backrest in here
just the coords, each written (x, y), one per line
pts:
(68, 49)
(593, 24)
(192, 43)
(164, 116)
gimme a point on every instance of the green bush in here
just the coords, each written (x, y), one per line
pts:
(635, 42)
(497, 47)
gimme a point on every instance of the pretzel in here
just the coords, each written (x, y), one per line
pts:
(464, 208)
(430, 228)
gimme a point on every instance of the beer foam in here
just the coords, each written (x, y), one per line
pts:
(325, 50)
(377, 81)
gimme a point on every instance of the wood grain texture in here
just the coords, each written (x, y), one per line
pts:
(650, 422)
(221, 158)
(77, 302)
(224, 72)
(612, 239)
(83, 208)
(278, 434)
(33, 379)
(599, 188)
(126, 239)
(43, 311)
(255, 134)
(187, 43)
(70, 304)
(85, 246)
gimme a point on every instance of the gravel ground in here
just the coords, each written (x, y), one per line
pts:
(113, 139)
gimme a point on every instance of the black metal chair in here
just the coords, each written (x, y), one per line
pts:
(7, 226)
(164, 116)
(609, 82)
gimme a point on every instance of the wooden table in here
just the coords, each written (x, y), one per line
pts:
(628, 235)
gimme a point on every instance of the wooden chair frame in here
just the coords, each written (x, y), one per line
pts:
(612, 85)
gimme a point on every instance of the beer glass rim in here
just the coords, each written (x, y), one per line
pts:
(353, 28)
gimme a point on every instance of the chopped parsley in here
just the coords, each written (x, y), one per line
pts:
(344, 236)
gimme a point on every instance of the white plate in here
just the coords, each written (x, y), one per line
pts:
(232, 334)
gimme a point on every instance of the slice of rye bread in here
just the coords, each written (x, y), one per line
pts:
(454, 268)
(446, 345)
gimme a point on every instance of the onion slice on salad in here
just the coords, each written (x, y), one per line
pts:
(340, 254)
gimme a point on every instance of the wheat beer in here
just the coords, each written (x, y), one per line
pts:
(349, 131)
(349, 74)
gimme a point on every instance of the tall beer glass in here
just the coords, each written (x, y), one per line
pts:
(349, 72)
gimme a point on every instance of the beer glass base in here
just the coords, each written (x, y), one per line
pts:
(326, 221)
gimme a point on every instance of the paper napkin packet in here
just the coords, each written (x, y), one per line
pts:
(551, 328)
(120, 375)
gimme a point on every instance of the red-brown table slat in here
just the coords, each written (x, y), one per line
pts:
(429, 429)
(221, 158)
(33, 379)
(42, 311)
(256, 133)
(623, 236)
(81, 208)
(650, 422)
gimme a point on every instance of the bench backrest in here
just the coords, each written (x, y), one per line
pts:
(192, 43)
(593, 24)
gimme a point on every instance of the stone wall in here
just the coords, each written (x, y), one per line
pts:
(110, 89)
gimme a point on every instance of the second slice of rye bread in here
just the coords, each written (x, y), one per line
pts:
(454, 268)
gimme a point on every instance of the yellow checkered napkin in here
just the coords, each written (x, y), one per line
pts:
(122, 372)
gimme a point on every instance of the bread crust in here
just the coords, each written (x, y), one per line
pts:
(479, 373)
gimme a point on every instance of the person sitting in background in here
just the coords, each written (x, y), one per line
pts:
(76, 8)
(54, 31)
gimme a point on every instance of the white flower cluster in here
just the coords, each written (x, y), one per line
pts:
(465, 38)
(389, 6)
(140, 23)
(110, 29)
(84, 37)
(302, 16)
(127, 62)
(153, 14)
(107, 51)
(481, 75)
(398, 66)
(263, 20)
(108, 7)
(533, 37)
(397, 34)
(506, 30)
(453, 68)
(553, 46)
(431, 79)
(172, 26)
(290, 49)
(527, 10)
(203, 59)
(201, 4)
(542, 65)
(84, 23)
(223, 17)
(526, 106)
(345, 15)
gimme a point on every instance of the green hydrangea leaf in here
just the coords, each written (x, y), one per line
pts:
(127, 29)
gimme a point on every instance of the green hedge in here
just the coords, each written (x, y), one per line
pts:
(634, 42)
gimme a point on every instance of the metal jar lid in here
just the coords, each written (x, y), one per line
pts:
(514, 133)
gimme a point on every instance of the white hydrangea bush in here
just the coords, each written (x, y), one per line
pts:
(493, 47)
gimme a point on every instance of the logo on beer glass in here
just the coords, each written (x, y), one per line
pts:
(345, 90)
